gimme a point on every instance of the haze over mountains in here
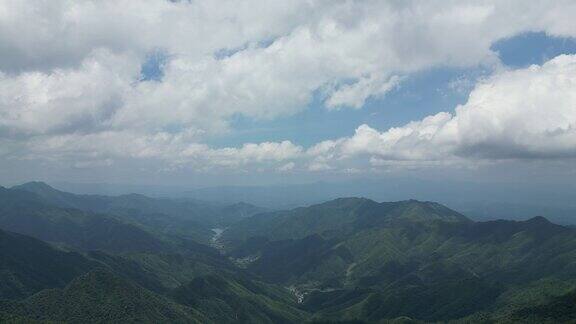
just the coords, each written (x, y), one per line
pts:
(132, 258)
(480, 201)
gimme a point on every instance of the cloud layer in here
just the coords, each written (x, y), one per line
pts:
(71, 87)
(519, 114)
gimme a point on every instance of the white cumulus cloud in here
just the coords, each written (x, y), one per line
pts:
(518, 114)
(71, 84)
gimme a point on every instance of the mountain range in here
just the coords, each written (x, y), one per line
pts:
(132, 258)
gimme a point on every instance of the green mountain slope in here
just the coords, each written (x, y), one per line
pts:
(28, 265)
(41, 283)
(338, 217)
(561, 309)
(100, 296)
(172, 260)
(341, 241)
(358, 259)
(233, 300)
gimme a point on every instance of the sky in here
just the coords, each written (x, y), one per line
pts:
(205, 93)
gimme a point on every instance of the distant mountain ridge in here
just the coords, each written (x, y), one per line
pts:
(194, 219)
(28, 213)
(342, 214)
(479, 201)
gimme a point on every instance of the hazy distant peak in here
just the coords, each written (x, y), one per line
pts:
(428, 210)
(357, 199)
(412, 209)
(34, 186)
(346, 202)
(541, 225)
(539, 220)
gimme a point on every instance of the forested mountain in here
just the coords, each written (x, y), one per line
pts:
(99, 296)
(349, 259)
(183, 217)
(172, 258)
(42, 283)
(29, 265)
(27, 213)
(225, 299)
(355, 258)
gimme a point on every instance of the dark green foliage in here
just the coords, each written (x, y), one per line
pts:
(100, 296)
(559, 310)
(28, 265)
(335, 300)
(287, 260)
(446, 298)
(231, 300)
(112, 290)
(128, 269)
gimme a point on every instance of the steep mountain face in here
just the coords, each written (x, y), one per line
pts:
(358, 259)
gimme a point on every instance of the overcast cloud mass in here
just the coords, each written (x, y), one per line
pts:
(74, 95)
